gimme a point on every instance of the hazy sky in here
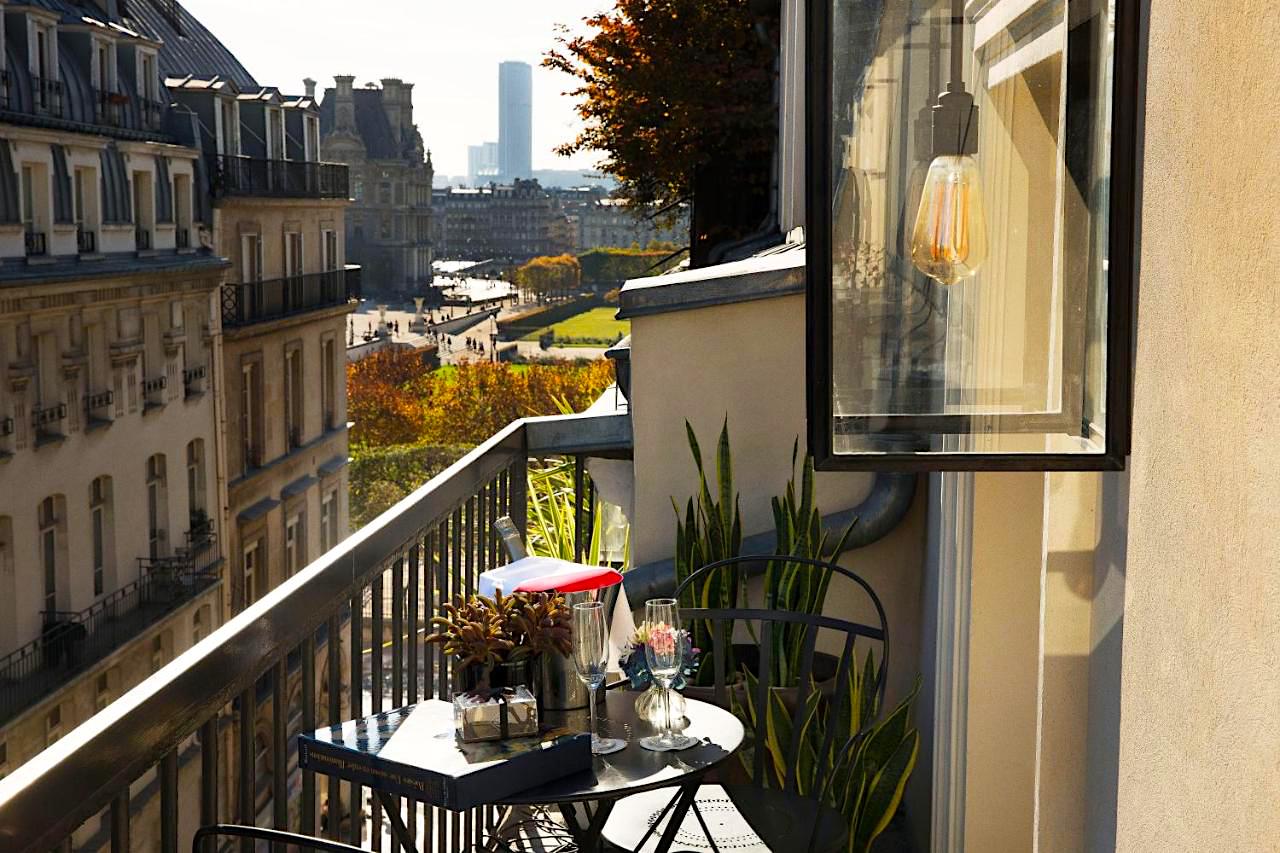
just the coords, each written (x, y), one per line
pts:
(449, 48)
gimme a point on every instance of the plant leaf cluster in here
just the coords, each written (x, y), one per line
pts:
(487, 631)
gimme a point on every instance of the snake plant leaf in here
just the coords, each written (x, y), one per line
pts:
(884, 793)
(693, 444)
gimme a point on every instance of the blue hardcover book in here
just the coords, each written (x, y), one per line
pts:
(414, 752)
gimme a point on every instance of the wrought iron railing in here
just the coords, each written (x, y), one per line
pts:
(5, 98)
(48, 421)
(86, 240)
(46, 96)
(72, 641)
(254, 176)
(258, 301)
(108, 107)
(35, 242)
(429, 547)
(152, 113)
(97, 407)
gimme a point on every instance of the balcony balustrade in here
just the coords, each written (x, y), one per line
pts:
(35, 242)
(260, 301)
(193, 380)
(253, 176)
(71, 642)
(48, 422)
(108, 107)
(97, 408)
(86, 240)
(46, 96)
(405, 563)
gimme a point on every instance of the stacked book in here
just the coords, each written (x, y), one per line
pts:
(414, 752)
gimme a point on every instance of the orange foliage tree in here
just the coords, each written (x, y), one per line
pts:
(395, 400)
(668, 87)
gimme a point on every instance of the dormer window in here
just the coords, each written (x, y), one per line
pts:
(275, 134)
(312, 124)
(46, 94)
(104, 67)
(228, 119)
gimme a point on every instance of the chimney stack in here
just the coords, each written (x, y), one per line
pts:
(344, 110)
(310, 86)
(391, 104)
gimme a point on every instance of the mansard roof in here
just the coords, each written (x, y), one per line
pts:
(187, 46)
(372, 125)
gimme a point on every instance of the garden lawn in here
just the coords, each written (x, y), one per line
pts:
(597, 323)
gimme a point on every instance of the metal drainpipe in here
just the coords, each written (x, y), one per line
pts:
(877, 515)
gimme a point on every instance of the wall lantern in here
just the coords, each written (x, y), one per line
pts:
(970, 281)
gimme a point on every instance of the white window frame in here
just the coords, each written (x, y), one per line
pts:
(249, 567)
(250, 258)
(148, 80)
(104, 48)
(294, 544)
(294, 264)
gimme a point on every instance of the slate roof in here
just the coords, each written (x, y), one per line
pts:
(194, 50)
(371, 122)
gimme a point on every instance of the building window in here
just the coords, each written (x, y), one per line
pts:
(329, 520)
(197, 625)
(384, 192)
(357, 190)
(103, 78)
(292, 254)
(250, 387)
(199, 527)
(228, 121)
(293, 397)
(52, 531)
(101, 521)
(53, 726)
(157, 507)
(250, 569)
(250, 258)
(328, 382)
(329, 240)
(295, 546)
(4, 759)
(148, 80)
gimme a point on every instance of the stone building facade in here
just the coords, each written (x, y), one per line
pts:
(509, 222)
(110, 518)
(388, 225)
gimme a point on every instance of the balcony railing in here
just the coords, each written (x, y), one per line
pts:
(35, 243)
(253, 176)
(152, 113)
(428, 548)
(71, 642)
(193, 380)
(259, 301)
(48, 421)
(86, 240)
(97, 408)
(108, 107)
(46, 96)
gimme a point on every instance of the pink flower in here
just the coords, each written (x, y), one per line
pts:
(662, 637)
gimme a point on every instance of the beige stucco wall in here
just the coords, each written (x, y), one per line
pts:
(746, 361)
(1200, 700)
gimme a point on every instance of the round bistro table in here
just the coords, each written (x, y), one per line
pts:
(634, 769)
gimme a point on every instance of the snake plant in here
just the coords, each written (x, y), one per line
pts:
(710, 530)
(865, 784)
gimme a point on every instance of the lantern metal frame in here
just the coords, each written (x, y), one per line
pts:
(1126, 111)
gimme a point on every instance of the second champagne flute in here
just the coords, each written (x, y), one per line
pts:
(664, 654)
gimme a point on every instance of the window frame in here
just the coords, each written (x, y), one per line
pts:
(1127, 105)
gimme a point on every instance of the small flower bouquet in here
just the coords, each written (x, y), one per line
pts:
(635, 665)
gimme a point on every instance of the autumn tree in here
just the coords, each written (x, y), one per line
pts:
(678, 96)
(550, 276)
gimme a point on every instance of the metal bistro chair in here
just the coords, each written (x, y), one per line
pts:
(754, 815)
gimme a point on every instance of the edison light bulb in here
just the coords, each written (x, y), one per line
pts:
(949, 241)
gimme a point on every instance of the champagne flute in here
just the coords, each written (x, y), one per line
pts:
(590, 659)
(664, 652)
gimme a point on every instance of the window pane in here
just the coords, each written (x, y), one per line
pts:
(968, 278)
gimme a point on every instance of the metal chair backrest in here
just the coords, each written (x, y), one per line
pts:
(277, 838)
(715, 610)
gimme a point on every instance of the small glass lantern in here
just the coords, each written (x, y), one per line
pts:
(970, 233)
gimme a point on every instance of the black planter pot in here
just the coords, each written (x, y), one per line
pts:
(513, 674)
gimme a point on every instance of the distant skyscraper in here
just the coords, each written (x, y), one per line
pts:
(482, 164)
(515, 120)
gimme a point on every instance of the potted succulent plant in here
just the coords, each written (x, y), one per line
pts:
(497, 642)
